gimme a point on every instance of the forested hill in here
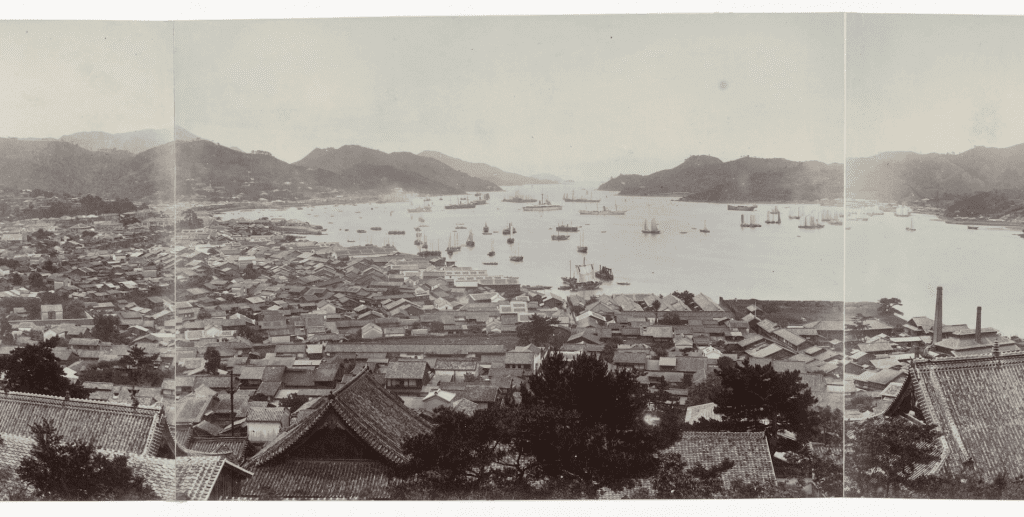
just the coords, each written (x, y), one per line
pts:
(706, 178)
(406, 170)
(904, 176)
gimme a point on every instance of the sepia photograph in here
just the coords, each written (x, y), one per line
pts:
(487, 258)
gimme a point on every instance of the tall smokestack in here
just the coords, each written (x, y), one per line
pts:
(977, 327)
(938, 316)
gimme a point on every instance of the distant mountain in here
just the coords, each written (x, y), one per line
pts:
(364, 167)
(484, 171)
(550, 178)
(899, 176)
(706, 178)
(133, 141)
(62, 166)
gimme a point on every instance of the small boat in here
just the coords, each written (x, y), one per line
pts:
(460, 226)
(469, 241)
(375, 228)
(911, 227)
(487, 230)
(705, 229)
(491, 253)
(627, 283)
(605, 273)
(559, 237)
(396, 232)
(510, 240)
(567, 228)
(972, 227)
(490, 263)
(743, 208)
(360, 231)
(507, 231)
(582, 248)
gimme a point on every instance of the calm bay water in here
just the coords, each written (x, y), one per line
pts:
(771, 262)
(974, 267)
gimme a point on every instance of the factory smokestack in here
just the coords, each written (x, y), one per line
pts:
(977, 327)
(938, 316)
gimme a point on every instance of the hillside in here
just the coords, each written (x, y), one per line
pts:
(219, 172)
(903, 176)
(61, 166)
(706, 178)
(484, 171)
(362, 166)
(133, 141)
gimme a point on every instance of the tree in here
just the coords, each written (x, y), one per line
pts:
(538, 331)
(887, 306)
(36, 282)
(139, 362)
(678, 480)
(250, 272)
(34, 369)
(294, 401)
(704, 391)
(655, 306)
(105, 328)
(587, 422)
(16, 278)
(460, 450)
(62, 471)
(756, 397)
(885, 453)
(212, 357)
(253, 333)
(6, 331)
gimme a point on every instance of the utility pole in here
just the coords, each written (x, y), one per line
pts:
(231, 393)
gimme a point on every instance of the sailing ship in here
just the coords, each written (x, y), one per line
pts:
(519, 198)
(743, 208)
(507, 231)
(902, 211)
(604, 211)
(584, 278)
(582, 248)
(491, 253)
(464, 202)
(510, 240)
(774, 217)
(469, 240)
(427, 252)
(911, 227)
(573, 199)
(810, 223)
(558, 236)
(652, 229)
(518, 257)
(752, 223)
(566, 228)
(487, 230)
(543, 206)
(705, 229)
(453, 246)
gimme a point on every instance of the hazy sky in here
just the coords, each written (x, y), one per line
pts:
(934, 83)
(59, 78)
(581, 97)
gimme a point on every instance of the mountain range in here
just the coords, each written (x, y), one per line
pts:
(484, 171)
(903, 175)
(706, 178)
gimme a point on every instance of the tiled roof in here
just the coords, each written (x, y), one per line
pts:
(230, 447)
(313, 479)
(976, 402)
(196, 475)
(114, 427)
(749, 452)
(372, 413)
(406, 370)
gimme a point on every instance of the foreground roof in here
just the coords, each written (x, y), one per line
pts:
(748, 450)
(112, 427)
(197, 475)
(320, 479)
(374, 414)
(976, 403)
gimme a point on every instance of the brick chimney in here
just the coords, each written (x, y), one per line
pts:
(977, 327)
(938, 316)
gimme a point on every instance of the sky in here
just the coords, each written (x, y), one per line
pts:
(60, 78)
(582, 97)
(931, 83)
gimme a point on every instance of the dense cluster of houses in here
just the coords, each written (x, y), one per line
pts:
(328, 357)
